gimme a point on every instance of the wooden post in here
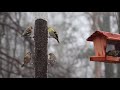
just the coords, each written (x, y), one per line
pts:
(41, 40)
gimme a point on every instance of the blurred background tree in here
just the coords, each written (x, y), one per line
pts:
(72, 53)
(12, 46)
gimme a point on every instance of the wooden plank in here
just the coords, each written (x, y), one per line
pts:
(97, 58)
(110, 58)
(107, 59)
(100, 46)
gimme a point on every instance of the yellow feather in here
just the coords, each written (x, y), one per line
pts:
(50, 29)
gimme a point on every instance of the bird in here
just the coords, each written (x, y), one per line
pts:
(53, 34)
(51, 59)
(114, 53)
(27, 59)
(27, 32)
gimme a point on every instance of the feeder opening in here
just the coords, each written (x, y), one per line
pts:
(112, 49)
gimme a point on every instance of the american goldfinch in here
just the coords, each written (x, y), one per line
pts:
(51, 59)
(27, 59)
(53, 33)
(28, 32)
(114, 53)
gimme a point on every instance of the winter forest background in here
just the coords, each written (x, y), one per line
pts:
(72, 53)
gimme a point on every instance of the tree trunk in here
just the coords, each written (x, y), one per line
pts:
(118, 66)
(8, 52)
(106, 27)
(41, 40)
(95, 18)
(0, 59)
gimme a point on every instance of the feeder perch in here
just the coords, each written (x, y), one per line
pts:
(101, 39)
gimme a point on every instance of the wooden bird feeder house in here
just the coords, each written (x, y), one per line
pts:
(101, 41)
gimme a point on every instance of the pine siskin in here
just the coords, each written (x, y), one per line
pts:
(51, 59)
(114, 53)
(27, 59)
(27, 32)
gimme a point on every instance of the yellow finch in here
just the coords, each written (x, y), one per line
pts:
(27, 59)
(53, 33)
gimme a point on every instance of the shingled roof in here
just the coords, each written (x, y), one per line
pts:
(107, 35)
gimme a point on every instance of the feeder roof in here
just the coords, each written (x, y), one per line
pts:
(107, 35)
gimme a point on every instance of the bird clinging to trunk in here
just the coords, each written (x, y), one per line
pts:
(51, 59)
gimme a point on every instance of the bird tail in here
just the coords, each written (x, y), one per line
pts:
(22, 65)
(57, 40)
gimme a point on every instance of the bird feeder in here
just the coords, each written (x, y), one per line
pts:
(101, 40)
